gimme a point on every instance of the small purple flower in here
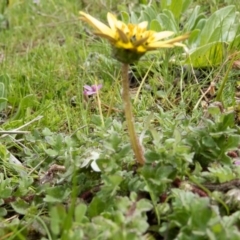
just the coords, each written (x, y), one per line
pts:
(237, 162)
(91, 90)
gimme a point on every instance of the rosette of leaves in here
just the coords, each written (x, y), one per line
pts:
(211, 37)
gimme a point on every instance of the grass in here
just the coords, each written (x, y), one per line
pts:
(50, 187)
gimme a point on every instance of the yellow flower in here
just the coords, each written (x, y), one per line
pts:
(131, 41)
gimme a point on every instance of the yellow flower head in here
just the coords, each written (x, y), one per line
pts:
(131, 41)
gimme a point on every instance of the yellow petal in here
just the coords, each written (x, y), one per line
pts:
(141, 49)
(156, 45)
(122, 26)
(112, 20)
(161, 35)
(99, 26)
(123, 45)
(169, 43)
(140, 41)
(103, 35)
(177, 39)
(143, 25)
(123, 36)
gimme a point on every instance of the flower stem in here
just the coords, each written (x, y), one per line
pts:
(99, 105)
(136, 146)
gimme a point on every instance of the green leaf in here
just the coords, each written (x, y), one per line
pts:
(134, 18)
(124, 151)
(228, 120)
(3, 99)
(175, 6)
(57, 216)
(56, 194)
(167, 21)
(3, 212)
(186, 4)
(96, 207)
(144, 205)
(80, 211)
(218, 25)
(235, 44)
(152, 156)
(155, 26)
(20, 206)
(115, 141)
(106, 165)
(208, 142)
(2, 90)
(151, 12)
(51, 152)
(193, 19)
(6, 192)
(25, 103)
(115, 180)
(125, 16)
(211, 54)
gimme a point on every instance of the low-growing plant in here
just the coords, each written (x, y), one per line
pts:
(68, 169)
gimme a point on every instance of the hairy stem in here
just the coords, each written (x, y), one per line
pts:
(136, 146)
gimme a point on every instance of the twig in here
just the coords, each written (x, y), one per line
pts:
(14, 132)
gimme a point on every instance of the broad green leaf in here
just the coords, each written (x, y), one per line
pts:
(193, 19)
(186, 4)
(200, 214)
(155, 26)
(51, 152)
(167, 21)
(3, 212)
(57, 216)
(3, 103)
(96, 207)
(201, 24)
(80, 211)
(208, 142)
(152, 156)
(6, 192)
(209, 55)
(56, 194)
(175, 6)
(174, 25)
(151, 12)
(54, 221)
(228, 120)
(134, 18)
(20, 206)
(115, 180)
(125, 16)
(2, 100)
(115, 141)
(124, 151)
(235, 44)
(145, 17)
(218, 25)
(144, 205)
